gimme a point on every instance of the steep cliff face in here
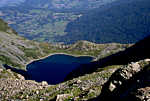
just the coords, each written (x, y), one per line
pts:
(5, 28)
(15, 50)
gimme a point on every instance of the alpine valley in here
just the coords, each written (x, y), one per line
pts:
(17, 52)
(45, 20)
(74, 50)
(68, 21)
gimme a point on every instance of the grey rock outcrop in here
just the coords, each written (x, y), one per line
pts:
(128, 83)
(62, 97)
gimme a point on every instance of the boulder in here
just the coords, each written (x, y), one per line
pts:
(44, 83)
(79, 81)
(62, 97)
(21, 77)
(1, 70)
(143, 94)
(147, 60)
(118, 82)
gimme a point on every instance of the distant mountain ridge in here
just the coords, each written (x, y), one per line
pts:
(10, 2)
(68, 21)
(17, 51)
(57, 4)
(121, 22)
(67, 4)
(43, 20)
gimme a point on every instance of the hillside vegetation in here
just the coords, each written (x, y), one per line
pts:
(5, 28)
(69, 5)
(17, 51)
(44, 20)
(63, 21)
(121, 22)
(37, 24)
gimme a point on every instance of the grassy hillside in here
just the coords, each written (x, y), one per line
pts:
(5, 28)
(37, 24)
(14, 50)
(17, 51)
(121, 22)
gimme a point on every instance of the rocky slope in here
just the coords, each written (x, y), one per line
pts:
(15, 50)
(121, 79)
(122, 83)
(128, 83)
(14, 87)
(138, 51)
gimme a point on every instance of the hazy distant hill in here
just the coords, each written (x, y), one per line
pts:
(17, 51)
(10, 2)
(122, 22)
(66, 21)
(67, 4)
(44, 20)
(57, 4)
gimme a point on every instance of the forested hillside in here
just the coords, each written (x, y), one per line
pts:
(44, 20)
(71, 5)
(121, 22)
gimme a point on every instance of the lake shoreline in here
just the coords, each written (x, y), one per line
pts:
(56, 54)
(54, 68)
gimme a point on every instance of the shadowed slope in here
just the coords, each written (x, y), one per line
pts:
(123, 21)
(122, 85)
(139, 51)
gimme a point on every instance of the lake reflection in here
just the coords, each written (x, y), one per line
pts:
(55, 68)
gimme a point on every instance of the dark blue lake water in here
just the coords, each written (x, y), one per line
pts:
(55, 68)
